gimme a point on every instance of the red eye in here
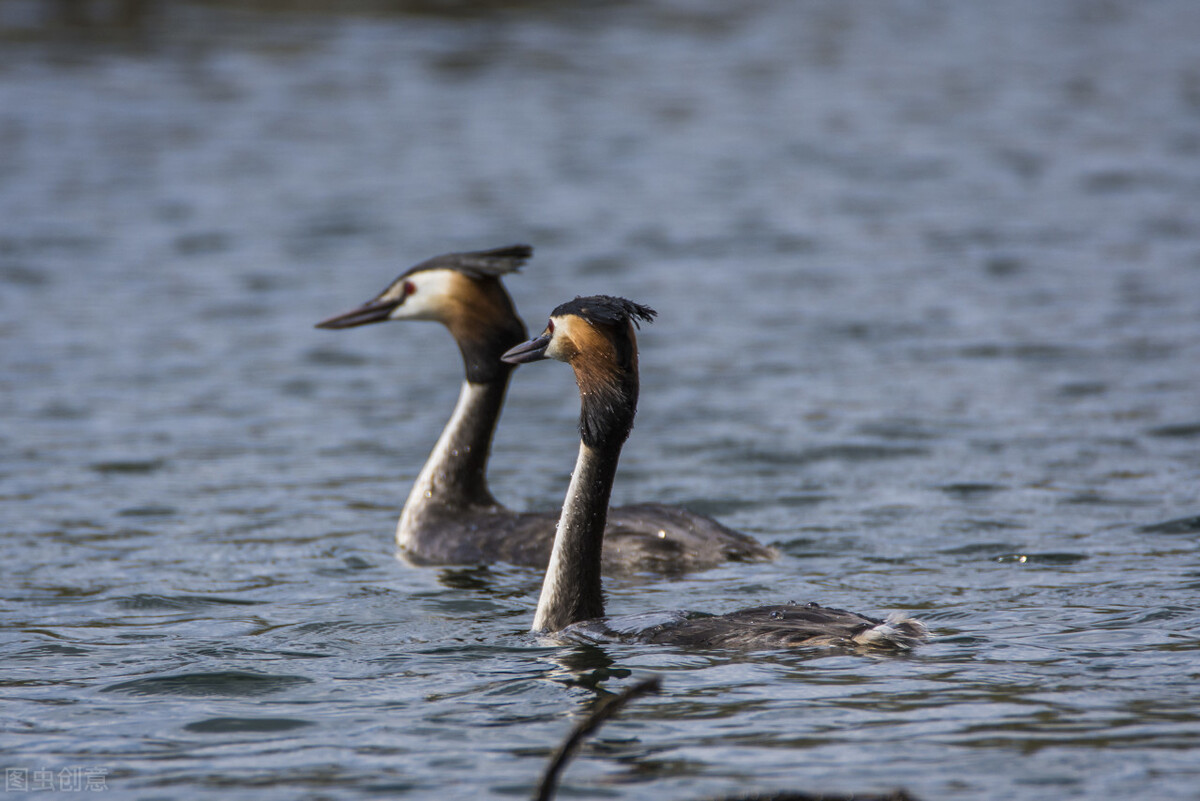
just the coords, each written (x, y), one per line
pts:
(550, 327)
(409, 288)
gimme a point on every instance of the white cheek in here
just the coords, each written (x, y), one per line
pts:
(414, 307)
(557, 349)
(554, 349)
(429, 299)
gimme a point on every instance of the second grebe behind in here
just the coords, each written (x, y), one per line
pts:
(595, 336)
(450, 516)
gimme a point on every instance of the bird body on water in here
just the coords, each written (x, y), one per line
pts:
(595, 336)
(451, 517)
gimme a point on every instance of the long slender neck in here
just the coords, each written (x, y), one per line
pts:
(454, 477)
(571, 591)
(455, 474)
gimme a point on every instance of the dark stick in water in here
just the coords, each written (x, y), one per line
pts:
(549, 783)
(548, 786)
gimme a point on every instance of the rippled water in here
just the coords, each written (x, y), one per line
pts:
(929, 284)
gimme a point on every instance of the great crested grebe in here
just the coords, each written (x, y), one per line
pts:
(450, 517)
(595, 336)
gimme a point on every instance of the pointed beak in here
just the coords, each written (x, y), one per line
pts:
(531, 351)
(373, 311)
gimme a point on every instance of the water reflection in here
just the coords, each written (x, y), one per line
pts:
(585, 666)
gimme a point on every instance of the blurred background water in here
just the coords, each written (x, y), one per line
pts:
(929, 284)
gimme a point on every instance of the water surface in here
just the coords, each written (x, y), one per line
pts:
(928, 278)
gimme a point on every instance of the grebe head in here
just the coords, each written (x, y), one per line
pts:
(442, 289)
(595, 335)
(463, 292)
(596, 331)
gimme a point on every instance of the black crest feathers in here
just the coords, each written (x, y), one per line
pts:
(479, 263)
(606, 309)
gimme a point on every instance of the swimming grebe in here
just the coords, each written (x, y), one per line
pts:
(450, 516)
(595, 336)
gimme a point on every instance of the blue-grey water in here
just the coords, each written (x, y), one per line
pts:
(928, 277)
